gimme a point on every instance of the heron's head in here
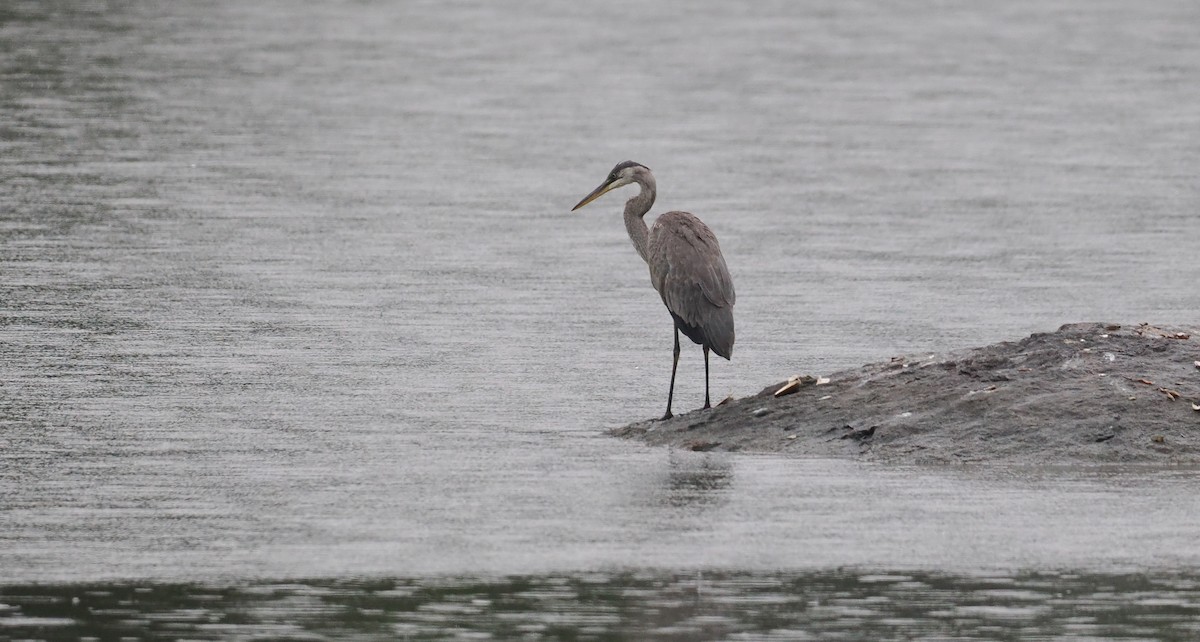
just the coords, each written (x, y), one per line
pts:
(620, 176)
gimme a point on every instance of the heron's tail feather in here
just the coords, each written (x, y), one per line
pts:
(715, 331)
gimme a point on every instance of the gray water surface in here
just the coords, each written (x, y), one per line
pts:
(292, 290)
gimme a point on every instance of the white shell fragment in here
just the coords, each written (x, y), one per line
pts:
(795, 382)
(788, 388)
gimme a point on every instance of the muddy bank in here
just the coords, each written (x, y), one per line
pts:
(1088, 392)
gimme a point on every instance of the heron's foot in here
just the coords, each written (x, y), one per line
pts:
(667, 416)
(706, 405)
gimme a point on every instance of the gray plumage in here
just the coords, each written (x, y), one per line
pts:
(686, 268)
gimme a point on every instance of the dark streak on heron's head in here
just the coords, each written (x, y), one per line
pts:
(616, 171)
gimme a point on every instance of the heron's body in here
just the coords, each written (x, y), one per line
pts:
(686, 268)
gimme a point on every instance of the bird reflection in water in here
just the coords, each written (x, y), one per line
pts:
(697, 482)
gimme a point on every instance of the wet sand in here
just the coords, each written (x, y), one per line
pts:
(1088, 392)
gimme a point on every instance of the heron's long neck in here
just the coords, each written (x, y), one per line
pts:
(635, 209)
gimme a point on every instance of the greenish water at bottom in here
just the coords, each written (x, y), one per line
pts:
(648, 605)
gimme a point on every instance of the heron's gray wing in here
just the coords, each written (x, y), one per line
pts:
(689, 272)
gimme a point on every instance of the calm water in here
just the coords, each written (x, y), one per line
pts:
(291, 290)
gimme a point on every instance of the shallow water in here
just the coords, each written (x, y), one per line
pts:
(292, 290)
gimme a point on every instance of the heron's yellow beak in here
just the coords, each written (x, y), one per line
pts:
(596, 193)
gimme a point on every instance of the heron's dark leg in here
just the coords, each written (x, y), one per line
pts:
(707, 405)
(674, 366)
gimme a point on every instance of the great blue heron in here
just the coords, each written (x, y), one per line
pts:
(686, 267)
